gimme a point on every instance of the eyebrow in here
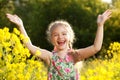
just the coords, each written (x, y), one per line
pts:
(56, 32)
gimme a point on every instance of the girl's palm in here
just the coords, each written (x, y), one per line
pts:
(102, 18)
(15, 19)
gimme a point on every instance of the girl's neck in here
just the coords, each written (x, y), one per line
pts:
(62, 53)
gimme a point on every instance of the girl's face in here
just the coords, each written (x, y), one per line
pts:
(60, 37)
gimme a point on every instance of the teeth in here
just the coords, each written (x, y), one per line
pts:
(61, 43)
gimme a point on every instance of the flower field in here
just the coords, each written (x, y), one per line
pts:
(108, 69)
(16, 62)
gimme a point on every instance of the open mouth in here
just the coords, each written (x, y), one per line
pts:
(61, 43)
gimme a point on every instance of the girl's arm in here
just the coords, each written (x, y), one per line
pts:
(91, 50)
(43, 54)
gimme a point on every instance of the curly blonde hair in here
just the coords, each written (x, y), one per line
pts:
(67, 26)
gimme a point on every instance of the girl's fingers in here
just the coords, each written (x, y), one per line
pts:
(16, 16)
(9, 16)
(12, 17)
(107, 13)
(15, 19)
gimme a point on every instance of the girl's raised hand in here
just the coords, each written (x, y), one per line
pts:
(15, 19)
(103, 17)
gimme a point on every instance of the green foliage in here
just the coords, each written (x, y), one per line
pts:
(6, 6)
(41, 12)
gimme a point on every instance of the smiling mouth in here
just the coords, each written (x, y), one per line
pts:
(61, 43)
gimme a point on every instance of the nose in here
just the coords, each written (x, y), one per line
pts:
(60, 36)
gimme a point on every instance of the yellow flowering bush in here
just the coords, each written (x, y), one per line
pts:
(16, 62)
(108, 69)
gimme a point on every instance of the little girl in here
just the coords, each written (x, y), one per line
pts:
(62, 59)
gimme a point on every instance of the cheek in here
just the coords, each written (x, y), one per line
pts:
(53, 40)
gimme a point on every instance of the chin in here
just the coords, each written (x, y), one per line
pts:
(62, 48)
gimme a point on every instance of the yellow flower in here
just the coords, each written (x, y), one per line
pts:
(9, 57)
(38, 53)
(24, 39)
(16, 62)
(103, 69)
(1, 71)
(16, 31)
(6, 29)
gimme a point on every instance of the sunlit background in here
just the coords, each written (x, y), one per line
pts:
(108, 1)
(15, 60)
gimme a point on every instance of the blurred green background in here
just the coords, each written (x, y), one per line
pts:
(81, 14)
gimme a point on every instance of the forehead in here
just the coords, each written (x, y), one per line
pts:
(59, 28)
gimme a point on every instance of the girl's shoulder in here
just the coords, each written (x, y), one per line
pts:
(76, 56)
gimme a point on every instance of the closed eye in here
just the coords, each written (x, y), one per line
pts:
(55, 35)
(64, 33)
